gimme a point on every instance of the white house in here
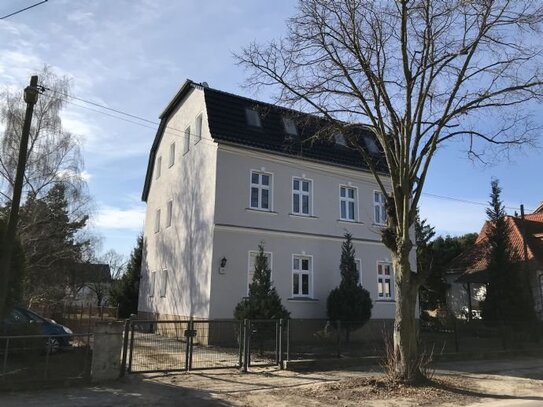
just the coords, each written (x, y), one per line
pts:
(226, 173)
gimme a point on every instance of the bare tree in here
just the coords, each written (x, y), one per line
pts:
(53, 152)
(116, 261)
(420, 73)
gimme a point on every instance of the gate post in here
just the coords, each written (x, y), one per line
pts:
(241, 339)
(280, 344)
(245, 345)
(125, 346)
(188, 345)
(131, 346)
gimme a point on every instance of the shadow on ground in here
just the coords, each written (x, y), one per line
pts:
(131, 391)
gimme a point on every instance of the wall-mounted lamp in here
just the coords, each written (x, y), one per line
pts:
(222, 265)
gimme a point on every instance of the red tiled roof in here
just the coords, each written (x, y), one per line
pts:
(474, 261)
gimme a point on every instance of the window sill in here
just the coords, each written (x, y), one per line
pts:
(379, 225)
(297, 215)
(391, 301)
(261, 211)
(302, 299)
(350, 221)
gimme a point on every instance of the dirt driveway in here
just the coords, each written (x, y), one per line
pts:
(492, 383)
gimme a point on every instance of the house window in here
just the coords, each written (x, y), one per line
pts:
(171, 161)
(252, 261)
(301, 196)
(198, 130)
(158, 167)
(253, 118)
(152, 277)
(290, 127)
(261, 191)
(169, 207)
(301, 276)
(187, 140)
(340, 139)
(358, 265)
(384, 281)
(157, 221)
(163, 282)
(347, 203)
(370, 143)
(379, 208)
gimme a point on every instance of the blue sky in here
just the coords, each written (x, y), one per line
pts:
(133, 55)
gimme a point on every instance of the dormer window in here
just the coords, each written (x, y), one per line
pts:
(290, 127)
(340, 139)
(371, 145)
(253, 118)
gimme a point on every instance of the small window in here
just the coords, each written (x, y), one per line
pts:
(340, 139)
(169, 207)
(261, 191)
(198, 130)
(157, 221)
(171, 161)
(384, 281)
(163, 283)
(253, 118)
(158, 167)
(152, 278)
(370, 143)
(301, 196)
(347, 203)
(301, 276)
(290, 127)
(187, 140)
(379, 208)
(251, 271)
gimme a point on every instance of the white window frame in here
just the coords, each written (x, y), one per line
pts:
(171, 158)
(198, 124)
(157, 221)
(158, 167)
(261, 187)
(379, 206)
(348, 200)
(248, 112)
(152, 281)
(297, 274)
(301, 194)
(251, 267)
(163, 283)
(169, 210)
(381, 295)
(186, 147)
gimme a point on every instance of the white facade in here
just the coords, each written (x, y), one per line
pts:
(216, 219)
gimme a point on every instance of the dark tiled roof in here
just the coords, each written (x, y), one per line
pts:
(228, 124)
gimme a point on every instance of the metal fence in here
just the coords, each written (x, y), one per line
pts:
(210, 344)
(44, 359)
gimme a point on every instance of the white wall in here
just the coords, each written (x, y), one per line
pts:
(239, 229)
(185, 248)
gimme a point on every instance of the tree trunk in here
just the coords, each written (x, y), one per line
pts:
(406, 356)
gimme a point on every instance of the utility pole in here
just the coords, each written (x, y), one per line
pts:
(8, 240)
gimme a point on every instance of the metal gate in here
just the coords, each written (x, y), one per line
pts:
(170, 346)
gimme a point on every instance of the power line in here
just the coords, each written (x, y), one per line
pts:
(168, 130)
(23, 9)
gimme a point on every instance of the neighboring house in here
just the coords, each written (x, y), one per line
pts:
(88, 282)
(467, 273)
(226, 173)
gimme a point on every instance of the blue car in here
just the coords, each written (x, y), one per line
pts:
(61, 337)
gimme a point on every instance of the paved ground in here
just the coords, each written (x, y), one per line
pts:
(516, 382)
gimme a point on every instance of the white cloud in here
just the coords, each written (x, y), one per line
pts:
(109, 217)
